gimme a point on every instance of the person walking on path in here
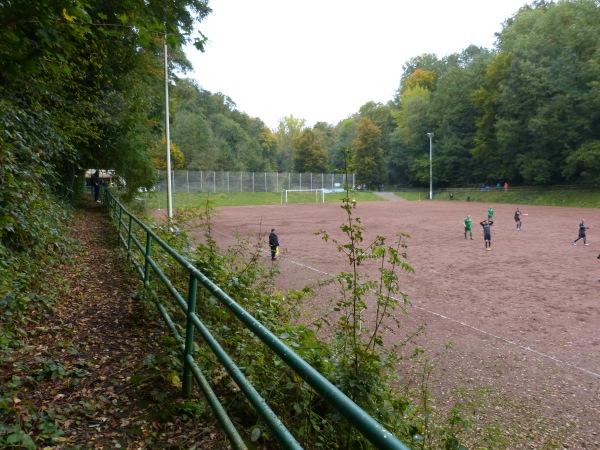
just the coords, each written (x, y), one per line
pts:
(598, 259)
(96, 185)
(490, 213)
(582, 230)
(274, 244)
(487, 233)
(468, 226)
(518, 219)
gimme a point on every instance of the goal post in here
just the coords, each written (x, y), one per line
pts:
(303, 195)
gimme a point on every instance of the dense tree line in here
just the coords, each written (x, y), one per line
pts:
(525, 112)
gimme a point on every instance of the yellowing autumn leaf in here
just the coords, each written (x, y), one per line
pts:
(67, 16)
(174, 380)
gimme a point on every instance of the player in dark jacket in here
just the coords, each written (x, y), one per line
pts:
(518, 219)
(582, 230)
(273, 243)
(96, 181)
(487, 233)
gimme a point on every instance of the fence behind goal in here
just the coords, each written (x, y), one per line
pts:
(212, 181)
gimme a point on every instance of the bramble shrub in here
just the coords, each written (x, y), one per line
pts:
(355, 359)
(32, 243)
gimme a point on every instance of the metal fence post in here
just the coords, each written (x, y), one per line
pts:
(129, 235)
(147, 261)
(189, 336)
(120, 221)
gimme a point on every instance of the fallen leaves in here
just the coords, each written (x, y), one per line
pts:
(90, 351)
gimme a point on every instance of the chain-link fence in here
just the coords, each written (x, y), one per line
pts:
(211, 181)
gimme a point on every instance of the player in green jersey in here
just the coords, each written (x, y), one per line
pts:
(468, 226)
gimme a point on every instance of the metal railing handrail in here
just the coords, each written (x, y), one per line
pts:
(372, 430)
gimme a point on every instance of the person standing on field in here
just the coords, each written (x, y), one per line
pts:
(490, 213)
(274, 244)
(582, 230)
(468, 226)
(487, 233)
(518, 219)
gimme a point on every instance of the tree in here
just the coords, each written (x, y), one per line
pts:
(268, 143)
(455, 116)
(288, 129)
(159, 155)
(410, 152)
(367, 161)
(486, 102)
(424, 66)
(548, 107)
(97, 69)
(345, 134)
(309, 155)
(584, 163)
(193, 134)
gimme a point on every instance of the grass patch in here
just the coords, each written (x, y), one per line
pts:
(586, 198)
(158, 200)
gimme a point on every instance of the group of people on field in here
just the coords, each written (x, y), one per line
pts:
(468, 229)
(487, 233)
(487, 223)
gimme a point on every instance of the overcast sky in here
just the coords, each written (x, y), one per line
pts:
(321, 60)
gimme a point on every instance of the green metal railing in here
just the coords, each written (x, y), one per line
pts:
(129, 227)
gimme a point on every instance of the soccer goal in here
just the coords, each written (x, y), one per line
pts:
(303, 196)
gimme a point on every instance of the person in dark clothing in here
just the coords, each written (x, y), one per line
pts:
(518, 219)
(487, 233)
(582, 230)
(274, 244)
(96, 185)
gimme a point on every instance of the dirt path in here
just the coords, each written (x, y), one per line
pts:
(91, 370)
(390, 196)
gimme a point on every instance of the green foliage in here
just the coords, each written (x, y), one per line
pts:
(89, 76)
(213, 135)
(309, 156)
(32, 220)
(549, 111)
(288, 130)
(80, 88)
(584, 163)
(368, 155)
(362, 366)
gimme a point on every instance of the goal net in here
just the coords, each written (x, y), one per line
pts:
(303, 196)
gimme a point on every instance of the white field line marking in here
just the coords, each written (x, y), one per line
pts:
(466, 325)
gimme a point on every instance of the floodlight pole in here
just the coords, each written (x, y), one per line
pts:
(430, 166)
(168, 137)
